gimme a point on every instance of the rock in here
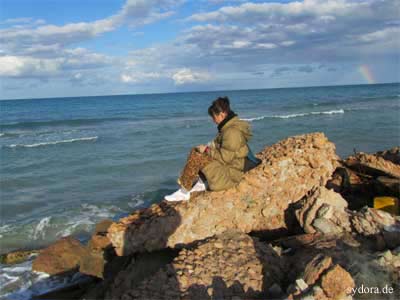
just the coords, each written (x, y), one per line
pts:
(289, 170)
(258, 268)
(16, 257)
(323, 210)
(301, 284)
(337, 283)
(392, 155)
(387, 186)
(316, 267)
(99, 242)
(93, 263)
(371, 221)
(102, 226)
(373, 165)
(60, 257)
(391, 238)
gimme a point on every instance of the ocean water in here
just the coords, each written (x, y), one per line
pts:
(67, 163)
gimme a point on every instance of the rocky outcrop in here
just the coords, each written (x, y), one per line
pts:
(325, 211)
(289, 170)
(222, 267)
(60, 257)
(373, 164)
(392, 155)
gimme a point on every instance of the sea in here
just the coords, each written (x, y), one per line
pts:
(67, 163)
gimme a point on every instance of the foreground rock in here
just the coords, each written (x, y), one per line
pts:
(289, 170)
(222, 267)
(325, 211)
(62, 256)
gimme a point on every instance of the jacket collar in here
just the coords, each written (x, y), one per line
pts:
(229, 117)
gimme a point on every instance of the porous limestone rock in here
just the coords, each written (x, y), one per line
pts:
(232, 265)
(289, 169)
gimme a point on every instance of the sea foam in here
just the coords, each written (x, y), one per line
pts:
(329, 112)
(92, 138)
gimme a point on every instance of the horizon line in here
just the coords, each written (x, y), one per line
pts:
(210, 91)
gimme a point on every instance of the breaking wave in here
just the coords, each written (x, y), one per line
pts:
(92, 138)
(330, 112)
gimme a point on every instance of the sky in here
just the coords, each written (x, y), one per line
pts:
(62, 48)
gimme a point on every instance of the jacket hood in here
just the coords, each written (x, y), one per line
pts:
(241, 125)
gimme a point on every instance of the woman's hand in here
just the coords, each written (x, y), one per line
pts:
(201, 148)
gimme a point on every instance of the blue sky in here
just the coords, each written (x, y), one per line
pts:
(66, 48)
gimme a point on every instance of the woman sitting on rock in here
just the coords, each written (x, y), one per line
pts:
(222, 163)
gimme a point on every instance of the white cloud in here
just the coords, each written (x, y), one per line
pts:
(17, 66)
(186, 75)
(139, 77)
(134, 13)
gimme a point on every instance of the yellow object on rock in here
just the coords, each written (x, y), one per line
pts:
(388, 204)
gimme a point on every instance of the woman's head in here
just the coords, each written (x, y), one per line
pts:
(219, 109)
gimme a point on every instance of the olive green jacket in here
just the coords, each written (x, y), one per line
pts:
(228, 150)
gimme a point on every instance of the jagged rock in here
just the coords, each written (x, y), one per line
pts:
(392, 155)
(288, 171)
(316, 267)
(60, 257)
(370, 221)
(16, 257)
(324, 211)
(243, 267)
(337, 283)
(373, 165)
(98, 254)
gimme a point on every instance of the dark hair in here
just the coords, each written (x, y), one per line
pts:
(221, 104)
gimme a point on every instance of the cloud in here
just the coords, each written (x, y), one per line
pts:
(186, 75)
(37, 50)
(139, 77)
(31, 67)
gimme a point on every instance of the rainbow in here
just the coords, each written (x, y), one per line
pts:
(365, 71)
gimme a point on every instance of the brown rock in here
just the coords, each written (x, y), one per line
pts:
(99, 242)
(337, 283)
(392, 155)
(316, 267)
(60, 257)
(16, 257)
(258, 268)
(373, 165)
(103, 226)
(289, 170)
(93, 263)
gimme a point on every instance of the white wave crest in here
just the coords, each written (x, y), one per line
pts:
(330, 112)
(92, 138)
(40, 228)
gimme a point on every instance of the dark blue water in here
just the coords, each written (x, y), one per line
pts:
(68, 162)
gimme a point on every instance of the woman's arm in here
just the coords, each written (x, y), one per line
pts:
(232, 141)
